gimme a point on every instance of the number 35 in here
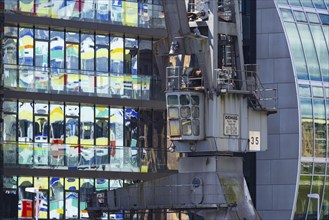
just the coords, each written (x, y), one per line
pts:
(254, 140)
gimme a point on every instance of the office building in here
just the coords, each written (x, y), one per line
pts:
(83, 108)
(83, 104)
(293, 56)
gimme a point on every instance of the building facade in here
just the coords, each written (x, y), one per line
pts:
(82, 106)
(293, 56)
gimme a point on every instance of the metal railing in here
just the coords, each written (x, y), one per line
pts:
(79, 82)
(179, 78)
(260, 98)
(83, 157)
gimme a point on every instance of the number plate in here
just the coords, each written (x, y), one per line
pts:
(254, 140)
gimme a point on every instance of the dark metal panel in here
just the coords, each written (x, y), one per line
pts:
(85, 25)
(152, 104)
(17, 171)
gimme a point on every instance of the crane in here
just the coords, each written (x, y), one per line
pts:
(216, 106)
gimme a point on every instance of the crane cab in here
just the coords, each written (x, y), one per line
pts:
(185, 114)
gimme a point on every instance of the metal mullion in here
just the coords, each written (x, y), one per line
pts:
(65, 66)
(109, 138)
(79, 128)
(94, 127)
(124, 57)
(33, 31)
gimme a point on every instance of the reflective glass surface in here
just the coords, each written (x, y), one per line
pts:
(119, 12)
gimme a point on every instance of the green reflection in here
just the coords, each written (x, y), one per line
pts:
(302, 199)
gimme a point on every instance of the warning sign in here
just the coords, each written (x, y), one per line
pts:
(231, 125)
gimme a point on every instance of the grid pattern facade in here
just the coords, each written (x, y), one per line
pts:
(306, 27)
(49, 130)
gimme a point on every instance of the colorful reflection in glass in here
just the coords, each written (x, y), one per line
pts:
(56, 198)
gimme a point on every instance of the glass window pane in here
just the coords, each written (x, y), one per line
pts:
(324, 210)
(102, 10)
(186, 127)
(10, 31)
(72, 56)
(86, 190)
(56, 198)
(307, 3)
(88, 10)
(56, 121)
(317, 91)
(9, 106)
(43, 8)
(300, 16)
(174, 127)
(294, 2)
(131, 55)
(102, 56)
(116, 55)
(195, 100)
(56, 49)
(71, 205)
(302, 199)
(313, 18)
(304, 90)
(10, 51)
(145, 57)
(296, 50)
(173, 113)
(185, 112)
(101, 131)
(101, 184)
(196, 127)
(172, 100)
(306, 108)
(131, 134)
(184, 99)
(10, 153)
(102, 83)
(116, 136)
(10, 5)
(9, 126)
(72, 130)
(324, 19)
(26, 6)
(306, 168)
(116, 12)
(130, 13)
(102, 39)
(41, 34)
(87, 51)
(25, 121)
(41, 53)
(317, 188)
(116, 85)
(25, 198)
(310, 53)
(287, 15)
(319, 168)
(319, 4)
(319, 109)
(195, 112)
(72, 37)
(10, 182)
(321, 50)
(26, 45)
(87, 125)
